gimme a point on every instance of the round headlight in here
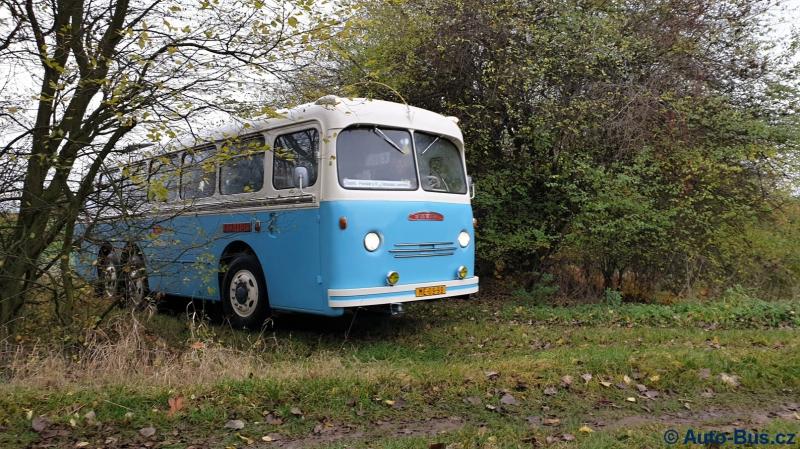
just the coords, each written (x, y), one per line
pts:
(392, 278)
(463, 239)
(462, 272)
(372, 241)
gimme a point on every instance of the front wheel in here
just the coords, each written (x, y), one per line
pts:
(244, 293)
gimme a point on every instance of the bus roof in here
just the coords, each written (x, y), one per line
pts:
(336, 113)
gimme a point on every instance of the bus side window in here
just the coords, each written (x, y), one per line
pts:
(134, 188)
(243, 168)
(199, 173)
(297, 149)
(163, 182)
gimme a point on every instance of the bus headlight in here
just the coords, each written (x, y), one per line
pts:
(463, 239)
(462, 272)
(392, 277)
(372, 241)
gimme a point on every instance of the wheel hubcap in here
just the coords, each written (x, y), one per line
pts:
(110, 277)
(243, 293)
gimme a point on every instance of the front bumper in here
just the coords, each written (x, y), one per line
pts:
(357, 297)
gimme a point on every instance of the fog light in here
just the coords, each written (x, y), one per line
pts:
(462, 272)
(392, 278)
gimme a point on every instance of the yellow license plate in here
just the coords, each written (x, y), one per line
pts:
(430, 291)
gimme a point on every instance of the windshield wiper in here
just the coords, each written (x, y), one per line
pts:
(429, 146)
(387, 139)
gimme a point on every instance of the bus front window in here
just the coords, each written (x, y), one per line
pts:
(376, 158)
(440, 167)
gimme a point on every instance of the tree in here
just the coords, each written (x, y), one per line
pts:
(619, 136)
(83, 77)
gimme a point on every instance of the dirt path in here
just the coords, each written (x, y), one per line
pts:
(711, 419)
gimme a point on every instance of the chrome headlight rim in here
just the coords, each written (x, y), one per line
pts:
(464, 238)
(462, 272)
(392, 275)
(372, 241)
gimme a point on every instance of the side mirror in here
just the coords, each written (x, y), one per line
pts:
(471, 187)
(300, 177)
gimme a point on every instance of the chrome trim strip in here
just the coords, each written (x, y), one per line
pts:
(425, 244)
(437, 250)
(399, 288)
(394, 299)
(410, 256)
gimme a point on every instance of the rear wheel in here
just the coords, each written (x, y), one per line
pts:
(136, 286)
(244, 293)
(108, 273)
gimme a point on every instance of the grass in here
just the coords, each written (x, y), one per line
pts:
(486, 372)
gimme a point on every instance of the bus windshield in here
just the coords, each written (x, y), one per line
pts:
(374, 158)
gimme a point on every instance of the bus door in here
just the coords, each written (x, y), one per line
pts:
(292, 257)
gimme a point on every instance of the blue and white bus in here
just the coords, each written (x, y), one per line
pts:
(335, 205)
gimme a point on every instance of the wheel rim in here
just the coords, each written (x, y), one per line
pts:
(110, 280)
(243, 293)
(135, 284)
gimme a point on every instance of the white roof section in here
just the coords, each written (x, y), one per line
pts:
(336, 113)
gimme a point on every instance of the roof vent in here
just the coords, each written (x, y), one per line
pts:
(327, 100)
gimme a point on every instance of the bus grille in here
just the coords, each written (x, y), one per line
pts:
(431, 249)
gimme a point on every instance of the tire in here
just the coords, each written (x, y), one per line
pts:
(244, 293)
(136, 285)
(108, 274)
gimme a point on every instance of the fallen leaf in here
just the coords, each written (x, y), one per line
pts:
(508, 399)
(708, 393)
(534, 420)
(641, 388)
(626, 379)
(175, 405)
(245, 439)
(551, 421)
(272, 419)
(90, 417)
(39, 423)
(29, 414)
(82, 444)
(585, 429)
(729, 379)
(587, 377)
(235, 424)
(566, 381)
(568, 437)
(271, 437)
(550, 391)
(473, 400)
(492, 375)
(147, 432)
(630, 399)
(605, 384)
(490, 407)
(388, 402)
(655, 378)
(198, 345)
(650, 394)
(296, 411)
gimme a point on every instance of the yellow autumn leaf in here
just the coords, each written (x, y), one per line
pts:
(585, 429)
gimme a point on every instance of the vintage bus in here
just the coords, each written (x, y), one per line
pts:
(334, 205)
